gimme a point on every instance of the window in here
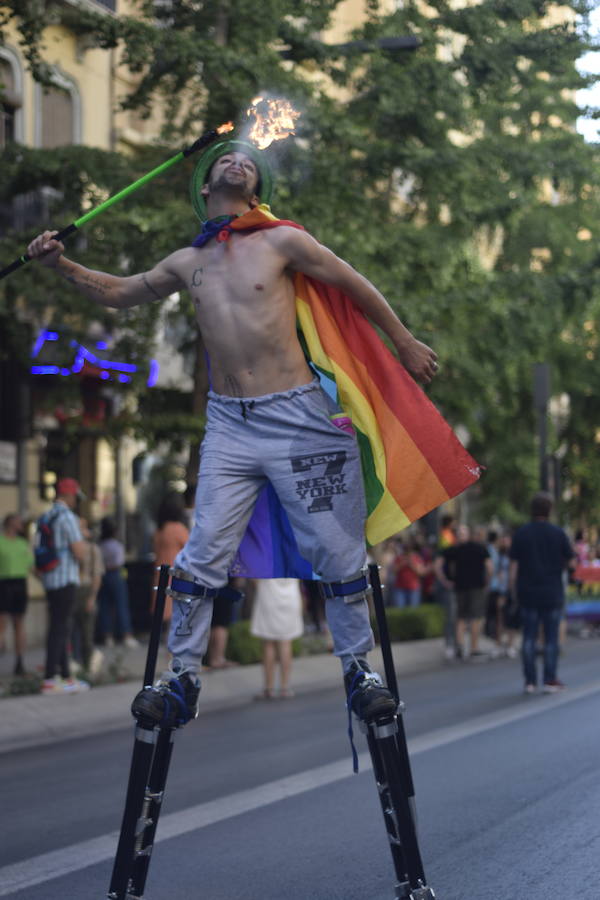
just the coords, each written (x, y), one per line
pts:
(10, 98)
(58, 118)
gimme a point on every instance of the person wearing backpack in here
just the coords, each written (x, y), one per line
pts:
(59, 550)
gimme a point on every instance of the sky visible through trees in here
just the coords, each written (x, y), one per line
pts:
(588, 127)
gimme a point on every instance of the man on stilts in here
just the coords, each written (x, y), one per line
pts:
(267, 416)
(278, 446)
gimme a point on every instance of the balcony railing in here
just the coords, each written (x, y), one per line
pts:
(109, 5)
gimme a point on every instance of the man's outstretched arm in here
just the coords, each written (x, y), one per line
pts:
(306, 255)
(108, 290)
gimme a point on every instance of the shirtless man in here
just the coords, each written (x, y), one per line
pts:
(267, 418)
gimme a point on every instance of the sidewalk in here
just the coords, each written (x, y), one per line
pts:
(34, 720)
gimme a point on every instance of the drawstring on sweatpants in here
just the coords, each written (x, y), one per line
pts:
(246, 407)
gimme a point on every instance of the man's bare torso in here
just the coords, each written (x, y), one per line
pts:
(245, 308)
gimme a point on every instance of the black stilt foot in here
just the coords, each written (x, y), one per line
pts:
(386, 740)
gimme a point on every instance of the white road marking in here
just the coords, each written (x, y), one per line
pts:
(57, 863)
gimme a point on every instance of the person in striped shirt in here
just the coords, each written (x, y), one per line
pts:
(61, 586)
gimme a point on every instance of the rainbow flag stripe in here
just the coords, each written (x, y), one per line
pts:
(411, 459)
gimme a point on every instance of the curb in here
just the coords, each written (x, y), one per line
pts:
(36, 720)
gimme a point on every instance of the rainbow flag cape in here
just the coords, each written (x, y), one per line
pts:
(411, 459)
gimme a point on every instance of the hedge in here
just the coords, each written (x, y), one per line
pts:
(243, 647)
(413, 624)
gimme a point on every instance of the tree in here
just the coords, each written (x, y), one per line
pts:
(477, 199)
(208, 62)
(452, 176)
(127, 235)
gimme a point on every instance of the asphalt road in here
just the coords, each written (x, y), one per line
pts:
(262, 804)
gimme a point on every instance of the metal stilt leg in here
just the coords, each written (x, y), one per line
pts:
(151, 808)
(132, 825)
(386, 740)
(389, 816)
(147, 778)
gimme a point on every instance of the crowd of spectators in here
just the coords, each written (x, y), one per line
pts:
(499, 587)
(502, 591)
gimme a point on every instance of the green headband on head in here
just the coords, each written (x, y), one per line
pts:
(211, 155)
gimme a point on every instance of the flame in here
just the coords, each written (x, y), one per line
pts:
(225, 127)
(274, 120)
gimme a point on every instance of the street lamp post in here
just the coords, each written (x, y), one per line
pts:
(559, 408)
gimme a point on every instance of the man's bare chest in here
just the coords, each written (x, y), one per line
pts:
(241, 266)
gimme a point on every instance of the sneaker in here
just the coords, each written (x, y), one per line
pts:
(367, 697)
(131, 642)
(530, 689)
(52, 685)
(75, 686)
(512, 652)
(478, 656)
(553, 687)
(172, 701)
(96, 660)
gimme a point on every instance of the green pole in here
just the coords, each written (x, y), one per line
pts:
(202, 142)
(127, 190)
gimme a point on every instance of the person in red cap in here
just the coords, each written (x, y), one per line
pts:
(64, 548)
(68, 487)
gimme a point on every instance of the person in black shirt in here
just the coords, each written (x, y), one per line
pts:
(466, 568)
(540, 552)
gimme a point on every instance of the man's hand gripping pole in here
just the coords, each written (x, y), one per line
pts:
(207, 138)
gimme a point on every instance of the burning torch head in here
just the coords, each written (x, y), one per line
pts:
(201, 174)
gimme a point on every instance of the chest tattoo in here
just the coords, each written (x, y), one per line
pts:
(197, 277)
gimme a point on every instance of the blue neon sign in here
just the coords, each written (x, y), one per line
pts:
(109, 369)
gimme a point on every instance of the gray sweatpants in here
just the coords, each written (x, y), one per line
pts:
(288, 439)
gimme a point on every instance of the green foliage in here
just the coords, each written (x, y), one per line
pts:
(413, 624)
(20, 685)
(246, 649)
(476, 127)
(451, 176)
(418, 623)
(127, 238)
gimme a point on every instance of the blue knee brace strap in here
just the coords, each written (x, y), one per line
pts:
(181, 586)
(331, 589)
(229, 593)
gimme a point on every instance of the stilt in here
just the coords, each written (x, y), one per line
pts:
(147, 778)
(386, 740)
